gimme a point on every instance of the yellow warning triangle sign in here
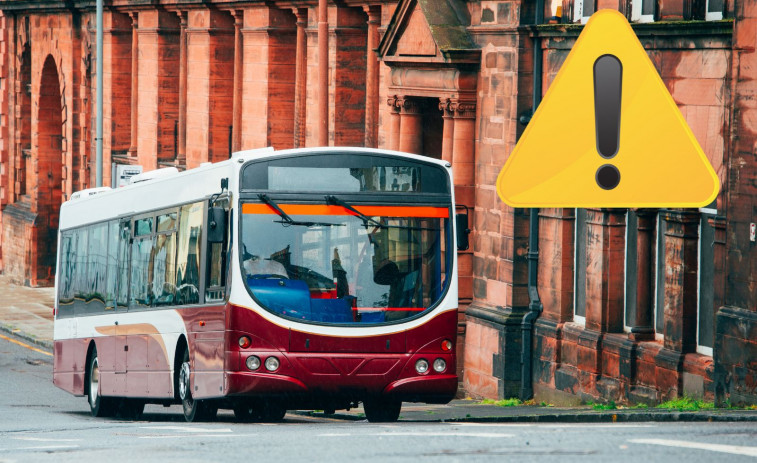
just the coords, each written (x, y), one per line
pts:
(607, 133)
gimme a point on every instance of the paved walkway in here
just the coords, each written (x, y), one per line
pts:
(28, 314)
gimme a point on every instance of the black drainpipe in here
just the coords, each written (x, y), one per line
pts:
(534, 305)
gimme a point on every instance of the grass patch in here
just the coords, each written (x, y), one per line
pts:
(603, 406)
(686, 404)
(514, 402)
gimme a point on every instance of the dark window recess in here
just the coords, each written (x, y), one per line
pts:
(588, 8)
(660, 276)
(707, 308)
(349, 173)
(647, 7)
(580, 270)
(715, 6)
(632, 270)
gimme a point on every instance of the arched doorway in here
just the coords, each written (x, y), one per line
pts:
(49, 169)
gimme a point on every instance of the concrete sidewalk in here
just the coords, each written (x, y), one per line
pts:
(28, 314)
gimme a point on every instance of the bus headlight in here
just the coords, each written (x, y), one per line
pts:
(252, 362)
(244, 342)
(440, 365)
(271, 364)
(421, 366)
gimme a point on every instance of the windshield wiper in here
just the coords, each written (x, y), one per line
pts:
(366, 220)
(287, 220)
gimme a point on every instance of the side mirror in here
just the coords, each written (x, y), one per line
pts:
(216, 224)
(461, 226)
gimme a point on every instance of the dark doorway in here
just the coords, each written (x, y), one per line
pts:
(432, 126)
(49, 169)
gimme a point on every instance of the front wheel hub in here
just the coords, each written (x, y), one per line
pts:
(184, 381)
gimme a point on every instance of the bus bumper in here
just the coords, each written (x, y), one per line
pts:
(428, 389)
(242, 383)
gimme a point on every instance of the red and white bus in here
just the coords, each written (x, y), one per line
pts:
(298, 279)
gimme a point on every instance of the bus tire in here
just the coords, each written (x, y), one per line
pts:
(382, 410)
(99, 406)
(194, 410)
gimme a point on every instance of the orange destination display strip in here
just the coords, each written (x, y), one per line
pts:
(324, 209)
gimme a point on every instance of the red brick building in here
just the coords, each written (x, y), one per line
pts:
(636, 305)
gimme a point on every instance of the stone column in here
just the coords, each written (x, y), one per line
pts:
(643, 328)
(681, 243)
(463, 150)
(134, 83)
(411, 135)
(301, 77)
(372, 77)
(448, 128)
(236, 124)
(394, 122)
(181, 151)
(323, 73)
(605, 257)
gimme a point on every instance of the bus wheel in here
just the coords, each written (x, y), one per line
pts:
(99, 406)
(382, 410)
(194, 410)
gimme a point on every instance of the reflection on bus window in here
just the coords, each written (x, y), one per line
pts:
(188, 254)
(336, 268)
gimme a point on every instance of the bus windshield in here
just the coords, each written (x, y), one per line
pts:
(345, 264)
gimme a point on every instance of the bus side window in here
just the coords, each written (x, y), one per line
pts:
(65, 280)
(188, 254)
(112, 265)
(163, 271)
(79, 272)
(216, 282)
(124, 238)
(141, 263)
(97, 254)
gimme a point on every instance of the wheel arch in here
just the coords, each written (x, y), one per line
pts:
(90, 349)
(181, 346)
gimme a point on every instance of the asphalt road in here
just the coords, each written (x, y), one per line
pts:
(39, 422)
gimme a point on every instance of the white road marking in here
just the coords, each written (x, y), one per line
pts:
(189, 429)
(194, 436)
(45, 439)
(46, 447)
(732, 449)
(419, 434)
(544, 425)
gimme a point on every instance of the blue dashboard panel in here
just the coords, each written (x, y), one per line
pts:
(292, 298)
(283, 296)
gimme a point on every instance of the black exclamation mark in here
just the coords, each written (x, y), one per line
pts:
(608, 76)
